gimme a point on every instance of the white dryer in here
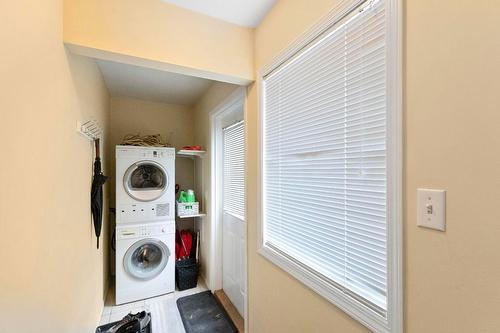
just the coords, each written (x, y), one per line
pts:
(145, 184)
(145, 260)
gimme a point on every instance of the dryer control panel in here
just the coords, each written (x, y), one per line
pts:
(144, 212)
(151, 153)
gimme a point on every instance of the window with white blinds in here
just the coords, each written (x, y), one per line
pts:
(234, 170)
(325, 158)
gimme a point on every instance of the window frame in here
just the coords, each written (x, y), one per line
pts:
(353, 307)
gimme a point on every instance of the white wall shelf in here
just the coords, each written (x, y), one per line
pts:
(195, 215)
(191, 153)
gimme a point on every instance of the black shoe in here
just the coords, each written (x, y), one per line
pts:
(138, 321)
(143, 317)
(126, 325)
(133, 326)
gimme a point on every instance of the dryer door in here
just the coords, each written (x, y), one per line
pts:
(146, 259)
(145, 181)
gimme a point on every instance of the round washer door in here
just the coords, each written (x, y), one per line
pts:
(145, 181)
(146, 259)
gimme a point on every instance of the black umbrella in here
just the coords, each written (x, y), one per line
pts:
(96, 193)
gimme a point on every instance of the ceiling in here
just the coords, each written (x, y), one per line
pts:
(125, 80)
(247, 13)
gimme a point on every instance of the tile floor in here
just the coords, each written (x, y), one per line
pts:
(164, 314)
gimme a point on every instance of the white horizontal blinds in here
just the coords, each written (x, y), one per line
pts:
(366, 269)
(234, 170)
(325, 156)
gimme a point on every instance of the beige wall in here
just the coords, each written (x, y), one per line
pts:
(157, 31)
(452, 142)
(452, 71)
(213, 98)
(52, 277)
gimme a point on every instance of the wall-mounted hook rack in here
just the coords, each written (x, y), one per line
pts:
(89, 129)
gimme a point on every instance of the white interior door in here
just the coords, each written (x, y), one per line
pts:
(233, 215)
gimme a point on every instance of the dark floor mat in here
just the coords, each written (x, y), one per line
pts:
(201, 313)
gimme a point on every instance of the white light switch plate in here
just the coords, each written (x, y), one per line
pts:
(431, 209)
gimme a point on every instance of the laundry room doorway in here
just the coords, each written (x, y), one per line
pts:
(228, 178)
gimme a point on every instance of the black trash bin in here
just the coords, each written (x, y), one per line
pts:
(186, 273)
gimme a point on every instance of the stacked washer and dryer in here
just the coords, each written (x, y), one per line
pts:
(145, 222)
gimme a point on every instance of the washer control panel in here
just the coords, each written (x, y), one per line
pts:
(151, 230)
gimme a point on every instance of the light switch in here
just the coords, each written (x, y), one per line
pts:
(431, 209)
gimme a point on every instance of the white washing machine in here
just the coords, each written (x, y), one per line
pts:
(145, 260)
(145, 184)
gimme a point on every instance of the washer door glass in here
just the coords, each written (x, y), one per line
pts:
(145, 181)
(146, 259)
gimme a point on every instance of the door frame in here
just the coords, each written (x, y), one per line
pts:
(232, 104)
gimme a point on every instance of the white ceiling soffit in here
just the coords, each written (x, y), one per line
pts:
(152, 85)
(247, 13)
